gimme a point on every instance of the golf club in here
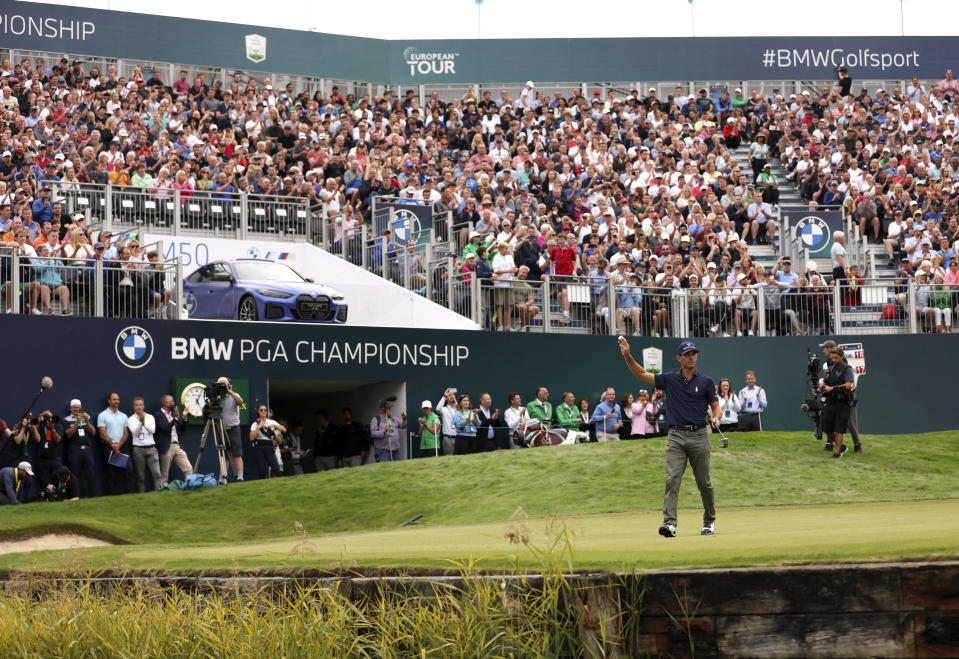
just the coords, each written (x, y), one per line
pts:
(724, 443)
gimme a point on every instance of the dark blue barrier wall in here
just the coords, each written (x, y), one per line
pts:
(106, 33)
(86, 359)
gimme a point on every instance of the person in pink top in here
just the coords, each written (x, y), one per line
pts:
(949, 86)
(644, 415)
(951, 279)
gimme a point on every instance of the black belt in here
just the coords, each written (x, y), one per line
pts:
(749, 414)
(261, 442)
(688, 427)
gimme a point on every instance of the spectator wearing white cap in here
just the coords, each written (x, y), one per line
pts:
(429, 430)
(81, 438)
(16, 484)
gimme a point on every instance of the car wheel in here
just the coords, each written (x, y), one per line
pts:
(247, 309)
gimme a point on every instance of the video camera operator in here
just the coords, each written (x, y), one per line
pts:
(827, 346)
(837, 385)
(80, 436)
(63, 487)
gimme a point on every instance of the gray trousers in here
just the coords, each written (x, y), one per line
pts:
(692, 446)
(353, 461)
(326, 462)
(449, 444)
(146, 456)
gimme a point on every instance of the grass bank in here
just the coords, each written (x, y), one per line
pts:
(760, 469)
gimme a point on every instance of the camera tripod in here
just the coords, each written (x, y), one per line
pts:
(214, 424)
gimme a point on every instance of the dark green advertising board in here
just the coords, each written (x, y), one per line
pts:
(104, 33)
(143, 357)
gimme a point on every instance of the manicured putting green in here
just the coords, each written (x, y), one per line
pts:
(745, 536)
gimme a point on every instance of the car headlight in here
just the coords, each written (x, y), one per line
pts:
(270, 292)
(338, 298)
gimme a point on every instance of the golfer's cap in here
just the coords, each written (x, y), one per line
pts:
(470, 256)
(7, 154)
(428, 404)
(828, 344)
(25, 466)
(76, 401)
(694, 276)
(710, 266)
(99, 245)
(740, 276)
(811, 266)
(78, 217)
(686, 346)
(474, 234)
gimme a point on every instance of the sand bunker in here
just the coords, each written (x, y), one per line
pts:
(50, 541)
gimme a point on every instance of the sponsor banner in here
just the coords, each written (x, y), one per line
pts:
(404, 220)
(814, 230)
(105, 33)
(142, 357)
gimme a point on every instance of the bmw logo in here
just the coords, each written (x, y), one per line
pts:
(253, 252)
(814, 233)
(134, 347)
(405, 224)
(189, 302)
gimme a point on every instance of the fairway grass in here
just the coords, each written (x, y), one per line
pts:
(781, 499)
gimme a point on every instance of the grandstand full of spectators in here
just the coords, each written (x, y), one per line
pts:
(665, 190)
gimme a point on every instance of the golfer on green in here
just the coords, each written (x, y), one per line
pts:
(688, 393)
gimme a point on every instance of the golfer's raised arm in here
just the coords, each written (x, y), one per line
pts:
(641, 373)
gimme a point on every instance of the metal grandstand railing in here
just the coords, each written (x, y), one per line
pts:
(52, 285)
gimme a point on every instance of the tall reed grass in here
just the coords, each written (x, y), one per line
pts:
(539, 612)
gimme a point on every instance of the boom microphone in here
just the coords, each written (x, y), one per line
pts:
(46, 383)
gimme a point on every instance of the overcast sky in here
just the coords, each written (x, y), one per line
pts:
(460, 19)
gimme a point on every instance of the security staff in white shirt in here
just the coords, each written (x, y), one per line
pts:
(752, 400)
(142, 426)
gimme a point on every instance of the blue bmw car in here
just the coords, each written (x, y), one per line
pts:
(251, 289)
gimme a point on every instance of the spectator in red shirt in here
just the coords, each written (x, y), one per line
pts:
(563, 259)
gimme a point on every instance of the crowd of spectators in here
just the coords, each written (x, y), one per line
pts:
(568, 182)
(890, 161)
(141, 446)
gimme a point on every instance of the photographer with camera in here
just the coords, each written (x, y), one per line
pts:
(46, 431)
(837, 385)
(232, 403)
(266, 434)
(63, 487)
(15, 484)
(80, 436)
